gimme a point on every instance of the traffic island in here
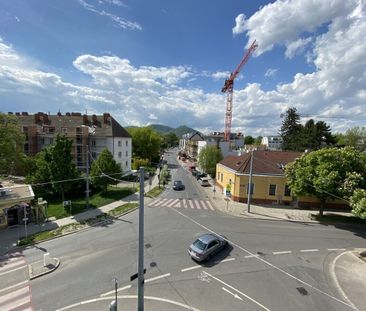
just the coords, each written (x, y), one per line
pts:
(42, 267)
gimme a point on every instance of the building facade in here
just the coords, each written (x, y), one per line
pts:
(272, 142)
(89, 134)
(268, 184)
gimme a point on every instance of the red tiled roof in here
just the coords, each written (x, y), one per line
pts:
(264, 162)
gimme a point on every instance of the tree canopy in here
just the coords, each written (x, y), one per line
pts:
(11, 144)
(208, 158)
(145, 143)
(105, 165)
(311, 136)
(248, 140)
(169, 140)
(327, 174)
(354, 137)
(61, 165)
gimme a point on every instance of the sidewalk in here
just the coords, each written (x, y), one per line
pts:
(10, 236)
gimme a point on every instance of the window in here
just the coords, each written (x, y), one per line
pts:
(120, 154)
(126, 164)
(64, 129)
(222, 177)
(251, 189)
(119, 143)
(287, 191)
(126, 153)
(212, 244)
(126, 143)
(272, 189)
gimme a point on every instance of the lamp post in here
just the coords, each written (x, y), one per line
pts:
(140, 281)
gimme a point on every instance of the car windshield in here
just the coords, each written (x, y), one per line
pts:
(199, 244)
(177, 183)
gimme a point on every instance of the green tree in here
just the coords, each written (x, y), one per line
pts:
(11, 144)
(291, 131)
(145, 143)
(358, 203)
(137, 163)
(40, 176)
(169, 140)
(105, 170)
(61, 165)
(258, 140)
(316, 135)
(208, 158)
(248, 140)
(354, 137)
(327, 173)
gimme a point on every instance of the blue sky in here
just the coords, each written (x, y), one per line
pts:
(166, 61)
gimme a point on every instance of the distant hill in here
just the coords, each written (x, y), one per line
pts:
(161, 129)
(164, 129)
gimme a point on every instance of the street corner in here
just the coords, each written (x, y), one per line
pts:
(43, 267)
(349, 273)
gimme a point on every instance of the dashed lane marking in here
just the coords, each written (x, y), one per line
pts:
(190, 268)
(282, 253)
(336, 249)
(118, 290)
(309, 250)
(157, 277)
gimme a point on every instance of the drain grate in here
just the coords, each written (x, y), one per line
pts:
(302, 291)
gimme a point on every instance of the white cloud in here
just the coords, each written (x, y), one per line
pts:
(121, 22)
(239, 24)
(271, 72)
(220, 75)
(113, 2)
(284, 21)
(296, 47)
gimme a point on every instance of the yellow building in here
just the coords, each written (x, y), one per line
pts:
(268, 179)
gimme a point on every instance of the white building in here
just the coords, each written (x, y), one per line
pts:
(272, 142)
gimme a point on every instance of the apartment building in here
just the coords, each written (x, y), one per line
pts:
(87, 132)
(272, 142)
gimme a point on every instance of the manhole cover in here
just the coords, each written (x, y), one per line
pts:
(153, 264)
(148, 245)
(302, 291)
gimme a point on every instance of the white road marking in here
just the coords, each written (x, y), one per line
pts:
(270, 264)
(190, 203)
(251, 256)
(15, 299)
(238, 291)
(203, 205)
(190, 268)
(157, 277)
(235, 295)
(13, 286)
(173, 203)
(309, 250)
(185, 204)
(13, 264)
(281, 253)
(210, 205)
(118, 290)
(228, 259)
(130, 297)
(9, 271)
(12, 295)
(336, 249)
(15, 304)
(196, 204)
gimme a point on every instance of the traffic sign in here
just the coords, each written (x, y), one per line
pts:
(134, 276)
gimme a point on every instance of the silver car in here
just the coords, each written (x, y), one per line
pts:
(206, 246)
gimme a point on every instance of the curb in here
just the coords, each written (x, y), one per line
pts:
(30, 269)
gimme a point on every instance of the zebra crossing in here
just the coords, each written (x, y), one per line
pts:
(14, 296)
(182, 203)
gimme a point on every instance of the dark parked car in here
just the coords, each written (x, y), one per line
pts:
(206, 246)
(200, 175)
(178, 185)
(194, 172)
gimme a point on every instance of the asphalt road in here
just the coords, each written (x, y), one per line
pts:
(270, 265)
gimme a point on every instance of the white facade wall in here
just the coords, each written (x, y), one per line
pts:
(121, 148)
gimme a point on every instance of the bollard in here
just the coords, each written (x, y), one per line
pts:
(46, 259)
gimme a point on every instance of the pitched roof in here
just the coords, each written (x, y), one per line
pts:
(104, 125)
(265, 162)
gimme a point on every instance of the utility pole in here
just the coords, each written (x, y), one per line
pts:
(140, 281)
(87, 176)
(250, 181)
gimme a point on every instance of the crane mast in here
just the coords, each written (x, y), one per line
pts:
(229, 88)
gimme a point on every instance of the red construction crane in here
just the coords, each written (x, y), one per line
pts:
(229, 87)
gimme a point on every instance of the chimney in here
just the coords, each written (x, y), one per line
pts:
(59, 114)
(106, 118)
(24, 113)
(76, 114)
(85, 119)
(17, 113)
(37, 117)
(68, 114)
(45, 119)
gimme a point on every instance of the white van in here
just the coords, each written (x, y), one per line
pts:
(204, 182)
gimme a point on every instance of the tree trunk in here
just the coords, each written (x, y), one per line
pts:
(321, 210)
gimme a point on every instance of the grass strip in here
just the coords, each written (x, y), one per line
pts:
(45, 235)
(156, 191)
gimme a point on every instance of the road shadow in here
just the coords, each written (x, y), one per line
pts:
(217, 258)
